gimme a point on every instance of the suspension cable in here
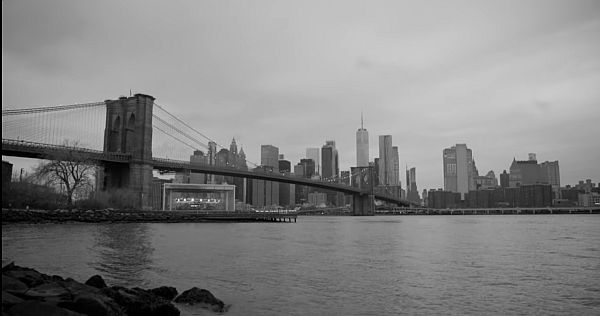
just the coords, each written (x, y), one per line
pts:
(50, 108)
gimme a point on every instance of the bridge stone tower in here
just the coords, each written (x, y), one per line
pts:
(129, 130)
(363, 204)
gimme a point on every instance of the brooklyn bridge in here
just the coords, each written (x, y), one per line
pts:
(124, 149)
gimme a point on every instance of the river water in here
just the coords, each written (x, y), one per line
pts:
(417, 265)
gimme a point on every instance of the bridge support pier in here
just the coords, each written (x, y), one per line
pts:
(363, 205)
(129, 130)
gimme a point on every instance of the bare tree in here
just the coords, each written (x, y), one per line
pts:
(70, 170)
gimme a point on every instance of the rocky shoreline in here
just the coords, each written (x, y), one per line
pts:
(26, 291)
(99, 216)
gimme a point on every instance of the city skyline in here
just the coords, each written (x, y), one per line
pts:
(505, 78)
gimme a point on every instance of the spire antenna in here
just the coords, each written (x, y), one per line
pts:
(361, 120)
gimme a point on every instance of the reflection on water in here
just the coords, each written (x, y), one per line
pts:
(124, 252)
(415, 265)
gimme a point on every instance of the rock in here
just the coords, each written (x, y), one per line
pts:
(93, 305)
(166, 292)
(96, 281)
(28, 276)
(201, 297)
(36, 308)
(12, 284)
(8, 266)
(9, 300)
(139, 302)
(47, 290)
(28, 292)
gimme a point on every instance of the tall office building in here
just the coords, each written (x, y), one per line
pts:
(287, 191)
(524, 172)
(412, 193)
(212, 159)
(269, 156)
(396, 163)
(329, 161)
(362, 145)
(504, 179)
(308, 168)
(386, 161)
(459, 169)
(550, 173)
(315, 155)
(266, 193)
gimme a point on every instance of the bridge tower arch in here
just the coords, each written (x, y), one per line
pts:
(129, 130)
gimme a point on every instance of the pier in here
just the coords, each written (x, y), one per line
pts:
(491, 211)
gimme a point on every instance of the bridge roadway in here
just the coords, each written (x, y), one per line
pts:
(18, 148)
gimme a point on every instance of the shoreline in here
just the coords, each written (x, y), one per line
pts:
(25, 291)
(137, 216)
(15, 216)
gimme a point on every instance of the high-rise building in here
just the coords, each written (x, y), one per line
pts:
(386, 161)
(529, 172)
(287, 191)
(412, 192)
(375, 174)
(362, 145)
(550, 173)
(266, 193)
(329, 161)
(459, 169)
(308, 168)
(315, 155)
(396, 163)
(285, 166)
(233, 147)
(504, 179)
(269, 156)
(489, 181)
(212, 159)
(524, 172)
(304, 169)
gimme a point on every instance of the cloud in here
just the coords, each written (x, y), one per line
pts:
(505, 77)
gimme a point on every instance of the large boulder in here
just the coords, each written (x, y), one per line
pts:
(96, 281)
(48, 292)
(93, 305)
(203, 298)
(12, 285)
(8, 300)
(166, 292)
(28, 276)
(36, 308)
(139, 302)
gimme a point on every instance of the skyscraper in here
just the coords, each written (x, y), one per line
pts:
(269, 156)
(524, 172)
(266, 193)
(233, 147)
(362, 145)
(386, 161)
(412, 193)
(396, 163)
(329, 161)
(315, 155)
(287, 192)
(504, 179)
(550, 173)
(459, 169)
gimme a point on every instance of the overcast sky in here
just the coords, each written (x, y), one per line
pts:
(505, 77)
